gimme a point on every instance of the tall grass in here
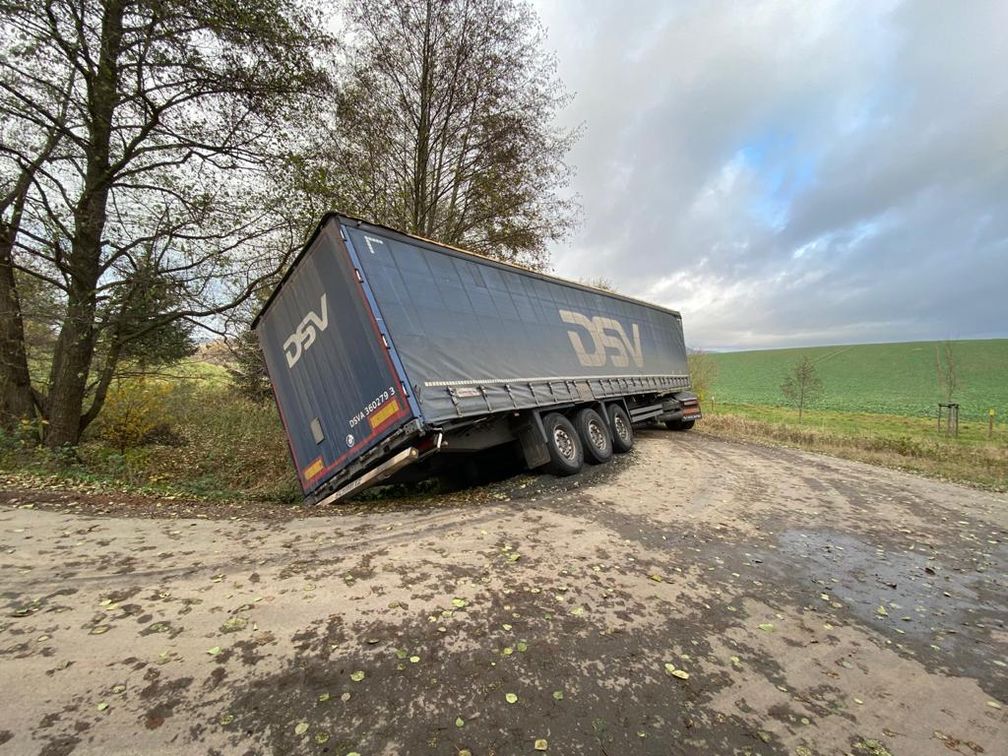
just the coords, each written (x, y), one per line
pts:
(216, 445)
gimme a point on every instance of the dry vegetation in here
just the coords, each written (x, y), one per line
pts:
(898, 442)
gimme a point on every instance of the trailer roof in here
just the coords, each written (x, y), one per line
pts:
(343, 217)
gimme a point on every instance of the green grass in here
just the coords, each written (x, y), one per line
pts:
(905, 443)
(891, 379)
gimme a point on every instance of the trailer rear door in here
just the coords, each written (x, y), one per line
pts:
(336, 386)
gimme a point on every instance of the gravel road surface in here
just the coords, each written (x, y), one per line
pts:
(694, 595)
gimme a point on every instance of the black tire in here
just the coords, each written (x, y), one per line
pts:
(622, 429)
(679, 425)
(565, 450)
(595, 436)
(687, 424)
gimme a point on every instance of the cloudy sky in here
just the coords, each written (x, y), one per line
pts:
(793, 173)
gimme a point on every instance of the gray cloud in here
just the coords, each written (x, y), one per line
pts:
(793, 173)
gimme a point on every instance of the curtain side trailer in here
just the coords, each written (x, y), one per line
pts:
(385, 350)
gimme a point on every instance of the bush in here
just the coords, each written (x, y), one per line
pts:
(135, 412)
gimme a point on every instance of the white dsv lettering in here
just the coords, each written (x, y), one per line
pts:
(305, 334)
(606, 334)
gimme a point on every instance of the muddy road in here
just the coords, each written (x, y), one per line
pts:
(696, 595)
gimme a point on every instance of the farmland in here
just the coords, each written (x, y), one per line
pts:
(877, 405)
(890, 379)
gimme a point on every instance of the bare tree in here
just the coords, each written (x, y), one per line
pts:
(802, 384)
(162, 169)
(598, 282)
(445, 125)
(947, 368)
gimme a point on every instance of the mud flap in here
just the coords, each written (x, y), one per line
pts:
(532, 438)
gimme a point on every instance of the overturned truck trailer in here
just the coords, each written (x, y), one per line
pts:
(388, 352)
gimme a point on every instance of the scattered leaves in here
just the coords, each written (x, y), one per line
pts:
(234, 625)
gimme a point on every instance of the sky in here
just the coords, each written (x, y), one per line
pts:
(792, 173)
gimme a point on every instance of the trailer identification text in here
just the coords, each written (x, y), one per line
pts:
(606, 334)
(306, 332)
(378, 410)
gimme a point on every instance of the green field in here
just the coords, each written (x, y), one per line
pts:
(892, 379)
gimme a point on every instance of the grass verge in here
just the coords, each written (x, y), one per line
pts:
(904, 443)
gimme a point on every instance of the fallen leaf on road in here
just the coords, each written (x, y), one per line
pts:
(301, 728)
(321, 737)
(459, 722)
(323, 697)
(102, 706)
(558, 695)
(881, 611)
(214, 651)
(541, 744)
(767, 627)
(510, 698)
(458, 603)
(359, 675)
(233, 625)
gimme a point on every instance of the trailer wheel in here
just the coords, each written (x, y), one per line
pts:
(679, 425)
(565, 450)
(622, 430)
(595, 438)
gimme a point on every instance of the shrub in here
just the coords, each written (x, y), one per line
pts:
(135, 411)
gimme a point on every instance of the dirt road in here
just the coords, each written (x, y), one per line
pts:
(696, 595)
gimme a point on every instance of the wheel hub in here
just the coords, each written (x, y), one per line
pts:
(597, 435)
(621, 428)
(564, 443)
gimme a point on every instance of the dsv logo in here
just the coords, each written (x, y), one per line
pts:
(305, 334)
(606, 334)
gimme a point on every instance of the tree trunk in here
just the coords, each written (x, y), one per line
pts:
(17, 402)
(75, 345)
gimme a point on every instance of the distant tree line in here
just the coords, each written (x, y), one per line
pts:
(162, 160)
